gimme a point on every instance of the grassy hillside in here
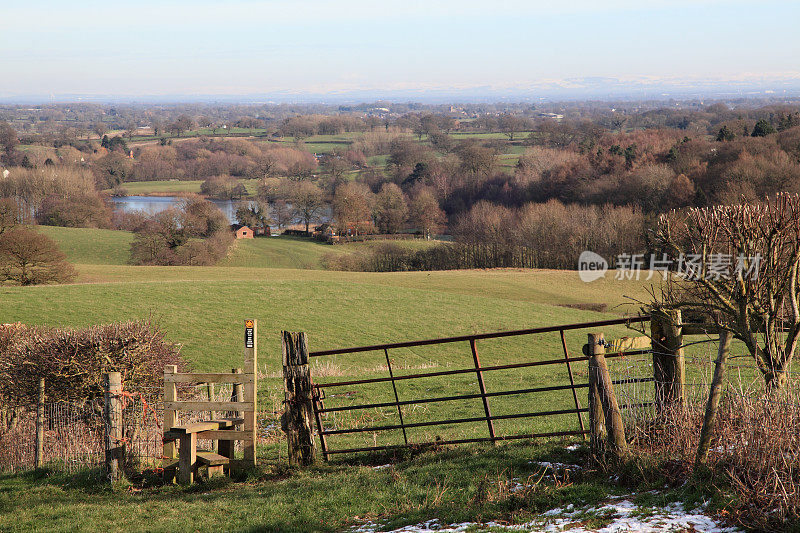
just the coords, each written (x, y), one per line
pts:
(91, 246)
(202, 309)
(278, 252)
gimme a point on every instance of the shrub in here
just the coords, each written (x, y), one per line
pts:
(30, 258)
(80, 211)
(73, 360)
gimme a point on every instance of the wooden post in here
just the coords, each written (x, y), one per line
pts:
(226, 448)
(251, 388)
(482, 388)
(115, 447)
(210, 393)
(187, 461)
(40, 426)
(170, 419)
(298, 399)
(714, 396)
(597, 419)
(669, 370)
(605, 390)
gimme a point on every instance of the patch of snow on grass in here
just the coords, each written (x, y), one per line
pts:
(623, 514)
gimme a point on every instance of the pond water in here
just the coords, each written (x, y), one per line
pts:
(156, 204)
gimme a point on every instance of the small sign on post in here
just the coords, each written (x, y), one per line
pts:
(248, 334)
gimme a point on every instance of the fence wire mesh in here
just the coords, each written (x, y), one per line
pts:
(756, 440)
(74, 433)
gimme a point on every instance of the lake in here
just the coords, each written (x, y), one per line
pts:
(156, 204)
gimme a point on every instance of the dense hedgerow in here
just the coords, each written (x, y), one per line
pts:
(73, 360)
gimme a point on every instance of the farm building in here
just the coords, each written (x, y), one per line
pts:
(242, 232)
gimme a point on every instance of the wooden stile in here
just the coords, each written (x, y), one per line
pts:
(241, 411)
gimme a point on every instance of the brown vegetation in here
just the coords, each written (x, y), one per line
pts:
(72, 361)
(196, 233)
(30, 258)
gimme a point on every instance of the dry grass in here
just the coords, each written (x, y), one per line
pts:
(755, 448)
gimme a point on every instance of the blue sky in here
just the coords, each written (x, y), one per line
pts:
(237, 47)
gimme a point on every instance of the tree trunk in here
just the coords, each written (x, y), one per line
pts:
(776, 380)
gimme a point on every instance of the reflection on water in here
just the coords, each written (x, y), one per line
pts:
(156, 204)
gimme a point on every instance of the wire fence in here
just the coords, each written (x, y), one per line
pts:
(756, 440)
(74, 433)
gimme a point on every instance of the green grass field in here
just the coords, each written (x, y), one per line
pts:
(91, 246)
(170, 187)
(202, 308)
(279, 252)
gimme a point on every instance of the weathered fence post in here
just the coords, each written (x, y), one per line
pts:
(115, 447)
(714, 396)
(604, 414)
(170, 395)
(298, 399)
(669, 370)
(597, 419)
(226, 448)
(40, 426)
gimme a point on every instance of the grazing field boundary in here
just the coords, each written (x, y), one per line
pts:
(319, 389)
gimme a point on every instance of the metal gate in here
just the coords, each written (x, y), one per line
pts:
(479, 370)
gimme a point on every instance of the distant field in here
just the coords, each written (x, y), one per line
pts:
(109, 247)
(91, 246)
(278, 252)
(470, 135)
(169, 187)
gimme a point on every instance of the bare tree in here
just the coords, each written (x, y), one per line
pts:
(100, 129)
(425, 213)
(30, 258)
(281, 213)
(742, 266)
(352, 207)
(9, 214)
(307, 202)
(391, 209)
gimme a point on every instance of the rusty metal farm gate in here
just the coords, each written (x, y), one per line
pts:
(400, 405)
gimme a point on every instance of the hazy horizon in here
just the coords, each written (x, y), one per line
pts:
(321, 50)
